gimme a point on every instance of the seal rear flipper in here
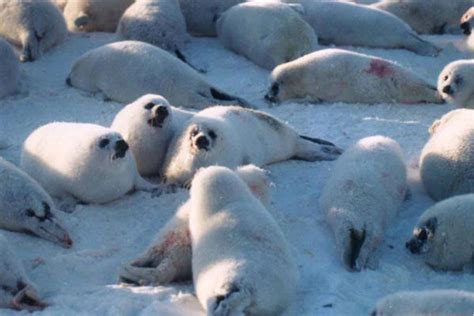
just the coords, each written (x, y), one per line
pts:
(183, 58)
(30, 49)
(230, 300)
(352, 244)
(222, 96)
(164, 273)
(314, 149)
(422, 47)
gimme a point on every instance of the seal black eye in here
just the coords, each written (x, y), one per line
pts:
(194, 132)
(445, 78)
(47, 210)
(275, 88)
(422, 235)
(212, 134)
(149, 106)
(30, 213)
(104, 142)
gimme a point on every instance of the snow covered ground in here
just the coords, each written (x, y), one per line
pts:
(83, 280)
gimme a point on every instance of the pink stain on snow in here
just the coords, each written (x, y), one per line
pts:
(380, 68)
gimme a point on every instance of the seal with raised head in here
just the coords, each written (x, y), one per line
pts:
(456, 83)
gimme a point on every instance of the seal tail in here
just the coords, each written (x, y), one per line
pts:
(224, 97)
(183, 58)
(422, 47)
(317, 140)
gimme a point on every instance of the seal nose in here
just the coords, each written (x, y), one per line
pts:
(202, 142)
(121, 148)
(161, 113)
(448, 90)
(466, 28)
(414, 245)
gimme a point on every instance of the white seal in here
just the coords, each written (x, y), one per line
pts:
(443, 235)
(9, 70)
(447, 160)
(456, 83)
(467, 21)
(148, 125)
(241, 261)
(364, 193)
(428, 17)
(168, 259)
(232, 136)
(26, 207)
(350, 24)
(16, 290)
(267, 33)
(35, 26)
(127, 70)
(201, 15)
(428, 302)
(94, 15)
(78, 161)
(336, 75)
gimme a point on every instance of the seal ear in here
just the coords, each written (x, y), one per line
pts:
(82, 20)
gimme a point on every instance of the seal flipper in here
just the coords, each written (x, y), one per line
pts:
(421, 47)
(313, 149)
(233, 300)
(183, 58)
(222, 96)
(352, 247)
(30, 48)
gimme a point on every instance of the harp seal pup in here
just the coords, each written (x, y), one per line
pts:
(456, 83)
(467, 21)
(239, 253)
(148, 125)
(233, 136)
(267, 33)
(9, 70)
(78, 161)
(168, 259)
(364, 193)
(201, 15)
(336, 75)
(447, 160)
(158, 22)
(443, 236)
(350, 24)
(127, 70)
(428, 17)
(429, 302)
(16, 290)
(26, 207)
(94, 15)
(35, 26)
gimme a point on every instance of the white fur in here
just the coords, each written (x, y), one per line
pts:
(26, 207)
(149, 143)
(35, 26)
(241, 137)
(66, 159)
(336, 75)
(364, 193)
(430, 302)
(449, 241)
(158, 22)
(14, 284)
(168, 259)
(201, 15)
(241, 261)
(458, 77)
(94, 15)
(267, 33)
(447, 160)
(9, 70)
(125, 71)
(428, 17)
(350, 24)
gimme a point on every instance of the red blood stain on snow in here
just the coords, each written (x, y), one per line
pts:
(380, 68)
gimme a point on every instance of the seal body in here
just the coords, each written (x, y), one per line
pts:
(364, 193)
(94, 15)
(16, 290)
(336, 75)
(447, 160)
(201, 15)
(148, 125)
(233, 136)
(428, 17)
(239, 253)
(267, 33)
(456, 83)
(127, 70)
(430, 302)
(168, 259)
(9, 70)
(87, 162)
(26, 207)
(350, 24)
(443, 236)
(35, 26)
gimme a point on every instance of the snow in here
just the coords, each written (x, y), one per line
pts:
(83, 280)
